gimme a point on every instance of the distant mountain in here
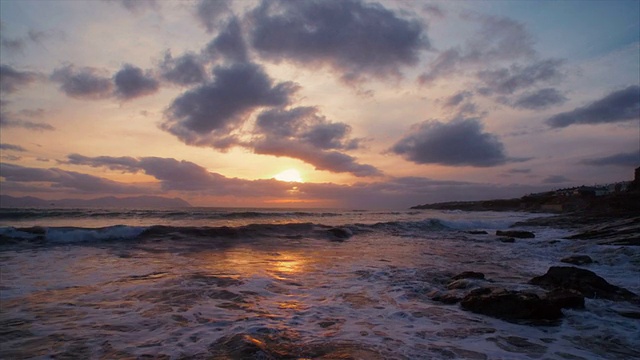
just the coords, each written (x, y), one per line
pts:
(140, 202)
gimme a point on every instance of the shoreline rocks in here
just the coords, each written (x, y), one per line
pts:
(520, 234)
(510, 305)
(577, 260)
(583, 281)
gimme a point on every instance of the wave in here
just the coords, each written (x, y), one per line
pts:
(26, 214)
(287, 230)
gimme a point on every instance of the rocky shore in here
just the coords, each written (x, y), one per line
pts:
(612, 219)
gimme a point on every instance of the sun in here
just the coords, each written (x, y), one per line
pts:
(290, 175)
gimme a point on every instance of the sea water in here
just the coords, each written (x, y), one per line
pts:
(187, 283)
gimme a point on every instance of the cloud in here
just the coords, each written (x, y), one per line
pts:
(540, 99)
(12, 45)
(208, 12)
(181, 175)
(184, 70)
(190, 178)
(209, 114)
(354, 38)
(8, 119)
(618, 106)
(507, 81)
(12, 147)
(302, 133)
(229, 43)
(457, 99)
(519, 171)
(457, 143)
(555, 179)
(131, 82)
(63, 180)
(631, 159)
(12, 80)
(83, 83)
(137, 6)
(497, 39)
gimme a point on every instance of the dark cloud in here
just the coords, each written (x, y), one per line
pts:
(190, 178)
(509, 80)
(12, 147)
(631, 159)
(131, 82)
(83, 83)
(355, 38)
(12, 45)
(540, 99)
(229, 43)
(457, 99)
(519, 171)
(184, 70)
(305, 125)
(208, 12)
(498, 39)
(458, 143)
(11, 80)
(618, 106)
(137, 6)
(9, 119)
(555, 179)
(63, 180)
(208, 114)
(302, 133)
(184, 176)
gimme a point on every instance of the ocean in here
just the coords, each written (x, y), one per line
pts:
(207, 283)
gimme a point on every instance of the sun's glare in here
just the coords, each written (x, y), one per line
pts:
(290, 175)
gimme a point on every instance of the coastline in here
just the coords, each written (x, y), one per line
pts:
(612, 219)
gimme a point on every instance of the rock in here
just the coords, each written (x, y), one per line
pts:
(566, 298)
(447, 297)
(477, 232)
(460, 284)
(469, 275)
(578, 260)
(510, 305)
(507, 239)
(340, 234)
(584, 281)
(516, 234)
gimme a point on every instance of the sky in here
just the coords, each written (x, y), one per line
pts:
(384, 104)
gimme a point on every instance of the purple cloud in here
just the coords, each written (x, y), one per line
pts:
(210, 113)
(617, 106)
(458, 143)
(131, 82)
(83, 83)
(12, 80)
(354, 38)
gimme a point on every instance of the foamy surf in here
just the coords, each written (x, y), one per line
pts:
(292, 290)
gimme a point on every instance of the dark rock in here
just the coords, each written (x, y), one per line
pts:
(468, 275)
(578, 260)
(510, 305)
(447, 297)
(477, 232)
(340, 234)
(516, 234)
(507, 239)
(584, 281)
(460, 284)
(566, 298)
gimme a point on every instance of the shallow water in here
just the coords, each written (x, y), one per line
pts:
(185, 294)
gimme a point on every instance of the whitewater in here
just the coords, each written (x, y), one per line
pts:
(207, 283)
